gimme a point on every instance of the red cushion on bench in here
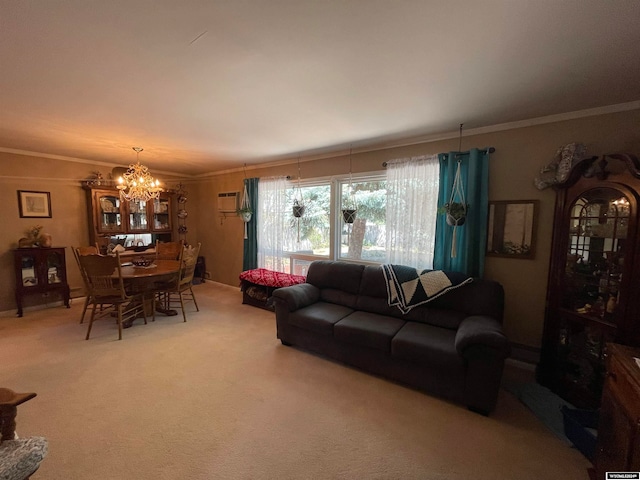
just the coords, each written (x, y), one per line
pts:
(270, 278)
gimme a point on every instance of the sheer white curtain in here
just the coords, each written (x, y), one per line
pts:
(272, 226)
(412, 201)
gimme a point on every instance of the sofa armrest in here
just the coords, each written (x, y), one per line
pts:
(480, 332)
(297, 296)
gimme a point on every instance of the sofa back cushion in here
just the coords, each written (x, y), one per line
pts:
(480, 297)
(339, 282)
(335, 275)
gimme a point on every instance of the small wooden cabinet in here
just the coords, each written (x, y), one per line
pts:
(40, 271)
(110, 216)
(592, 293)
(618, 447)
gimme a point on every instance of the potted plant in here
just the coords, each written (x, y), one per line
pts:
(349, 215)
(298, 209)
(456, 213)
(245, 213)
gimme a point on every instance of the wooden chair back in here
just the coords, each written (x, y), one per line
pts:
(90, 250)
(188, 264)
(80, 252)
(100, 272)
(168, 250)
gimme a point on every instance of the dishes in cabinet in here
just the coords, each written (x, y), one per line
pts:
(107, 206)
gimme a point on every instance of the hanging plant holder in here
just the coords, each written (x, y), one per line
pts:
(350, 208)
(245, 211)
(349, 215)
(298, 209)
(456, 213)
(456, 209)
(298, 204)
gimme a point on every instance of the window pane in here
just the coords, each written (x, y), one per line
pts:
(309, 234)
(364, 239)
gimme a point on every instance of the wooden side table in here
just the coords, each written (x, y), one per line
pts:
(9, 401)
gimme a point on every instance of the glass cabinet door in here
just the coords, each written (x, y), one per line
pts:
(598, 223)
(29, 270)
(596, 253)
(161, 214)
(109, 212)
(138, 217)
(55, 270)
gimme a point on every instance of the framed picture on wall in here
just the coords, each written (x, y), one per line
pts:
(34, 204)
(512, 228)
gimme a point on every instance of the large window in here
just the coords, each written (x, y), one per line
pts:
(311, 233)
(287, 243)
(364, 239)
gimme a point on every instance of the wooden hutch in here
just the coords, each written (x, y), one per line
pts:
(592, 295)
(113, 221)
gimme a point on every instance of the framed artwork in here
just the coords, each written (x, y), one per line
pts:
(512, 228)
(34, 204)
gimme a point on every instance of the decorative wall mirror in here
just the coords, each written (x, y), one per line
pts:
(511, 228)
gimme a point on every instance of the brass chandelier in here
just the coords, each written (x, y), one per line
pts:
(137, 183)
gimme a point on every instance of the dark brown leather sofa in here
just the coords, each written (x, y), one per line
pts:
(452, 347)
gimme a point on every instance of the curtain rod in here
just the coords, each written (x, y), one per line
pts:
(484, 151)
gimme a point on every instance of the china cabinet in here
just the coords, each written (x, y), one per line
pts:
(595, 262)
(110, 216)
(40, 271)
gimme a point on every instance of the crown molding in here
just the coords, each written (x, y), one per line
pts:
(415, 140)
(373, 147)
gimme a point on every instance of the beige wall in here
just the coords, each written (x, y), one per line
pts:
(68, 224)
(519, 155)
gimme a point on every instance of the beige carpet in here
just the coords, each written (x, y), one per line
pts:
(219, 397)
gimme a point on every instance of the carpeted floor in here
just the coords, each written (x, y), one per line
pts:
(219, 397)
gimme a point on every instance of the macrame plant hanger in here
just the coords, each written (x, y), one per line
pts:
(350, 208)
(245, 205)
(298, 204)
(457, 200)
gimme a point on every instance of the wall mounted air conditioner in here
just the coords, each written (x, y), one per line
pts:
(228, 202)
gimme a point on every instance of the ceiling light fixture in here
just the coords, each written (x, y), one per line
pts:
(137, 183)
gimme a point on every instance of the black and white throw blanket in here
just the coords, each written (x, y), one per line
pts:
(408, 287)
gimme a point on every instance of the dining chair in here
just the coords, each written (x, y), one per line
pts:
(181, 289)
(77, 252)
(168, 250)
(106, 287)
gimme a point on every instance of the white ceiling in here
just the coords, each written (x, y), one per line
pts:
(205, 86)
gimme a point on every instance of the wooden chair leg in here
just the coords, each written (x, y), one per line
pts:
(93, 315)
(194, 299)
(84, 309)
(120, 321)
(184, 315)
(144, 309)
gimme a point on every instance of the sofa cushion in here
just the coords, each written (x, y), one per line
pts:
(333, 295)
(319, 317)
(425, 344)
(338, 275)
(368, 330)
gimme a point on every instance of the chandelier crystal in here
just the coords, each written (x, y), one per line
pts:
(137, 183)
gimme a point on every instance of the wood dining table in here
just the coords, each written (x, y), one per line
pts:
(146, 279)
